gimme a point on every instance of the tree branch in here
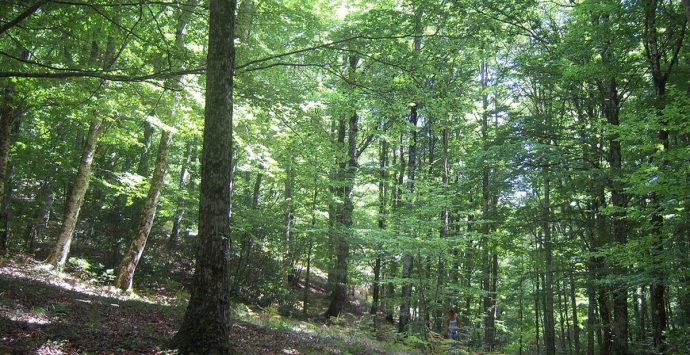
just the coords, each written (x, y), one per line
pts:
(28, 12)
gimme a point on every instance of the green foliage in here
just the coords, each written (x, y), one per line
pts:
(509, 94)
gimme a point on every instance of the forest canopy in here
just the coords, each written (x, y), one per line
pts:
(522, 165)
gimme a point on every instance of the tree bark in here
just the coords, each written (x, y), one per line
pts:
(76, 197)
(129, 263)
(206, 325)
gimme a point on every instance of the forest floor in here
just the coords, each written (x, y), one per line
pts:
(45, 312)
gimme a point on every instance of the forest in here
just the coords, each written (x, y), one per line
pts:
(345, 176)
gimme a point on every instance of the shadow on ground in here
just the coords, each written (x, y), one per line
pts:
(42, 318)
(42, 312)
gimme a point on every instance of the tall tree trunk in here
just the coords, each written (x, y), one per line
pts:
(443, 233)
(661, 60)
(383, 182)
(58, 257)
(408, 259)
(573, 304)
(206, 325)
(8, 115)
(591, 302)
(485, 226)
(131, 259)
(343, 221)
(307, 277)
(549, 323)
(289, 219)
(76, 197)
(536, 292)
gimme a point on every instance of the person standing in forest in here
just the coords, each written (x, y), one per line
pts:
(452, 325)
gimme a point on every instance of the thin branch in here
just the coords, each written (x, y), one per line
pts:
(28, 12)
(102, 75)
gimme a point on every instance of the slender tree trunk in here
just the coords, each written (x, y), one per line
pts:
(179, 213)
(611, 105)
(45, 198)
(536, 292)
(549, 323)
(443, 233)
(58, 257)
(573, 304)
(307, 277)
(563, 319)
(644, 312)
(289, 219)
(408, 259)
(383, 180)
(661, 58)
(591, 302)
(206, 325)
(76, 198)
(129, 263)
(8, 115)
(343, 222)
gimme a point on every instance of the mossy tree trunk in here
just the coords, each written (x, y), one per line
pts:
(129, 262)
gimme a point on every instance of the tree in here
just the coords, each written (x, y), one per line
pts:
(206, 327)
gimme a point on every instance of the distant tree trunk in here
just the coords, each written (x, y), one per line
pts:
(307, 277)
(467, 270)
(337, 136)
(536, 292)
(549, 323)
(573, 304)
(661, 58)
(408, 259)
(289, 219)
(383, 181)
(182, 183)
(485, 226)
(591, 302)
(129, 263)
(45, 199)
(343, 220)
(8, 115)
(443, 233)
(206, 325)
